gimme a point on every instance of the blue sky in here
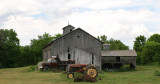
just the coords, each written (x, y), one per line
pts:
(119, 19)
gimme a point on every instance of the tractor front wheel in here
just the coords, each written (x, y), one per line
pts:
(70, 75)
(91, 71)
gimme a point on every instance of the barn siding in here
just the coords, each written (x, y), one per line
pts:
(81, 45)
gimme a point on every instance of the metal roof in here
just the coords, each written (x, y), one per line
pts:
(119, 53)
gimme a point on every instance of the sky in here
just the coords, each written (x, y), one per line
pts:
(119, 19)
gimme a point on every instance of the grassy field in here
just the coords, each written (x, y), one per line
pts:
(143, 75)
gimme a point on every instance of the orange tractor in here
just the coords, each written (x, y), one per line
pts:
(82, 68)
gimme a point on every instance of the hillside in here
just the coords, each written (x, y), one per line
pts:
(143, 75)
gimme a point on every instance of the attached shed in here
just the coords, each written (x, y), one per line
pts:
(117, 58)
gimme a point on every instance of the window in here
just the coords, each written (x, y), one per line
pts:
(70, 30)
(117, 59)
(68, 50)
(69, 56)
(78, 37)
(92, 59)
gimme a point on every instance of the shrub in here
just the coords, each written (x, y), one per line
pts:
(159, 64)
(125, 68)
(101, 71)
(32, 68)
(157, 73)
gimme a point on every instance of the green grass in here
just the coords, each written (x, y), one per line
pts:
(143, 75)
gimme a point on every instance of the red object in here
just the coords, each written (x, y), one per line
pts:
(78, 65)
(81, 66)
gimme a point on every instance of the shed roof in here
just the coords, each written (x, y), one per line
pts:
(119, 53)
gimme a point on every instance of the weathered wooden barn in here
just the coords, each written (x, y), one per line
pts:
(114, 59)
(78, 45)
(75, 44)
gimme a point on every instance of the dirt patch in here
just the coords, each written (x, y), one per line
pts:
(86, 78)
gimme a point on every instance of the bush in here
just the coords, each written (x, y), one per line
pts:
(32, 68)
(157, 73)
(159, 64)
(125, 68)
(101, 71)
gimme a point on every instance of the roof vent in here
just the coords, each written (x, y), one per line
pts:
(106, 47)
(68, 29)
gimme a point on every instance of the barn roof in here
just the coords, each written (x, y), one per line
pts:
(119, 53)
(69, 33)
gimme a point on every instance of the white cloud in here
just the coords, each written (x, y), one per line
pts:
(118, 24)
(98, 4)
(120, 19)
(29, 28)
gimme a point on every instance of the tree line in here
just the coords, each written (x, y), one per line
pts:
(148, 50)
(114, 44)
(14, 55)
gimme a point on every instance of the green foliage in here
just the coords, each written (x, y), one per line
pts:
(147, 51)
(157, 73)
(32, 68)
(138, 46)
(114, 44)
(151, 52)
(13, 55)
(36, 46)
(124, 68)
(139, 43)
(155, 38)
(9, 48)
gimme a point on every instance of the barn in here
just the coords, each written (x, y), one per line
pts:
(114, 59)
(75, 44)
(78, 45)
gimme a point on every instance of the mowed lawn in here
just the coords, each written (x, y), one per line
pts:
(143, 75)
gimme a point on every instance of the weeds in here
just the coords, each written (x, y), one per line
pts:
(32, 68)
(157, 73)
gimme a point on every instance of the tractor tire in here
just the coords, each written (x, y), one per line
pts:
(91, 71)
(70, 75)
(45, 68)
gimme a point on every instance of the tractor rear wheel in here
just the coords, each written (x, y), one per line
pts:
(91, 71)
(45, 68)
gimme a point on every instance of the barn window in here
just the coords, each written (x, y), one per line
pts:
(68, 50)
(117, 59)
(70, 30)
(78, 37)
(69, 56)
(92, 59)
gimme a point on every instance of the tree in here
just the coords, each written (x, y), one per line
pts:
(139, 43)
(38, 44)
(150, 52)
(155, 38)
(114, 44)
(138, 46)
(117, 45)
(103, 38)
(9, 48)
